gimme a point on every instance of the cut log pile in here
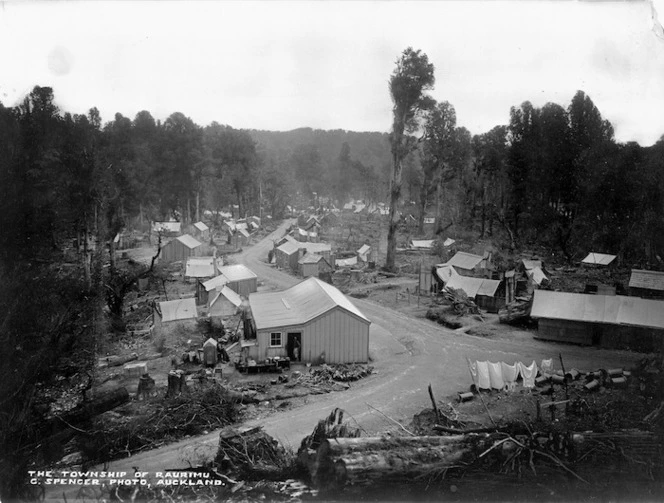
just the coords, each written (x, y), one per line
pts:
(343, 372)
(336, 457)
(516, 312)
(461, 303)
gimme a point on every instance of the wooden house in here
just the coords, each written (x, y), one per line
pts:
(468, 264)
(312, 316)
(486, 293)
(364, 253)
(646, 284)
(201, 231)
(240, 279)
(225, 302)
(313, 265)
(287, 256)
(180, 249)
(609, 321)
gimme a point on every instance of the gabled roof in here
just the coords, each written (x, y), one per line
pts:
(536, 275)
(449, 242)
(473, 286)
(237, 272)
(359, 207)
(226, 292)
(531, 264)
(364, 250)
(199, 267)
(445, 272)
(299, 304)
(598, 258)
(189, 241)
(345, 262)
(465, 260)
(176, 310)
(241, 225)
(610, 309)
(243, 232)
(288, 248)
(230, 224)
(210, 342)
(311, 258)
(201, 226)
(215, 283)
(423, 243)
(651, 280)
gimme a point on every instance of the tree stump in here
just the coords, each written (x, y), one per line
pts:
(177, 383)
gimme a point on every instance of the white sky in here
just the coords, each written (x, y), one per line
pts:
(325, 64)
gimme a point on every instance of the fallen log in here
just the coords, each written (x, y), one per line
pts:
(362, 460)
(114, 361)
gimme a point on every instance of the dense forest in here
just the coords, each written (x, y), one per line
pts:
(553, 176)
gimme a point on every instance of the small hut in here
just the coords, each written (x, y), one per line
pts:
(201, 231)
(210, 352)
(313, 265)
(180, 249)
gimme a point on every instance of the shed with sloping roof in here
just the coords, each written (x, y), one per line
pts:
(314, 316)
(287, 255)
(646, 284)
(610, 321)
(600, 259)
(240, 279)
(313, 265)
(486, 292)
(202, 267)
(201, 231)
(225, 302)
(180, 249)
(206, 290)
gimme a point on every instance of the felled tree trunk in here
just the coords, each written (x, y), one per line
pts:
(354, 461)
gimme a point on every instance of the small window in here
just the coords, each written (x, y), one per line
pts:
(275, 339)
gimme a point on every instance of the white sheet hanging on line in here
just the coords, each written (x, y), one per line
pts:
(510, 375)
(483, 379)
(496, 375)
(547, 366)
(528, 373)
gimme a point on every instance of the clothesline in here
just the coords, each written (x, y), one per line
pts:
(503, 376)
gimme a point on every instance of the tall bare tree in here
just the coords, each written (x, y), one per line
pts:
(412, 77)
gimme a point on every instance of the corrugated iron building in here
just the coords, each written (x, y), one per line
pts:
(313, 316)
(609, 321)
(180, 249)
(468, 264)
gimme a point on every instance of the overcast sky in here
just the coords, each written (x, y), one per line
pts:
(282, 65)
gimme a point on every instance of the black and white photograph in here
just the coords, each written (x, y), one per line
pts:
(330, 251)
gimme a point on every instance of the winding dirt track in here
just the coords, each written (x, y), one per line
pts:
(407, 354)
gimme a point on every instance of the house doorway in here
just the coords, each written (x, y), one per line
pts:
(294, 346)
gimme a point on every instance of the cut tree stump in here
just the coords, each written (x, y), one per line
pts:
(176, 383)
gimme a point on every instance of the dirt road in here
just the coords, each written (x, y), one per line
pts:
(407, 354)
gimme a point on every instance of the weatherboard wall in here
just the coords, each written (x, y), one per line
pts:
(334, 337)
(175, 251)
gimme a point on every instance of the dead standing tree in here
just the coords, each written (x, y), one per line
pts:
(408, 83)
